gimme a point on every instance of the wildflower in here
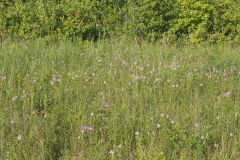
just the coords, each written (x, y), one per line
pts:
(201, 84)
(157, 79)
(54, 80)
(202, 137)
(217, 117)
(19, 138)
(2, 78)
(135, 78)
(143, 78)
(162, 114)
(14, 98)
(33, 81)
(137, 133)
(175, 86)
(111, 152)
(196, 125)
(215, 145)
(106, 105)
(25, 94)
(231, 134)
(86, 128)
(11, 121)
(140, 68)
(92, 114)
(119, 146)
(152, 71)
(124, 62)
(227, 94)
(158, 125)
(172, 122)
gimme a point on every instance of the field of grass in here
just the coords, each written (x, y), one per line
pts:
(114, 99)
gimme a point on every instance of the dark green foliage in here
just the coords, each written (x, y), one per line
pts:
(151, 18)
(146, 19)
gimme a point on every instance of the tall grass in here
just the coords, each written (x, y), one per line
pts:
(119, 100)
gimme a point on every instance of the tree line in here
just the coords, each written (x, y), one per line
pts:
(199, 20)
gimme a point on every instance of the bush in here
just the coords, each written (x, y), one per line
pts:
(146, 19)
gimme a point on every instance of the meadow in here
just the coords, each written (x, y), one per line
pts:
(116, 99)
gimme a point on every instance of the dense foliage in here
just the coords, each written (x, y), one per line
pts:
(149, 19)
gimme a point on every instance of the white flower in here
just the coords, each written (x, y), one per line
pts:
(196, 125)
(152, 71)
(119, 146)
(137, 133)
(111, 152)
(175, 86)
(227, 94)
(172, 121)
(86, 128)
(158, 125)
(52, 83)
(2, 78)
(14, 98)
(157, 79)
(231, 134)
(19, 138)
(135, 78)
(54, 79)
(25, 94)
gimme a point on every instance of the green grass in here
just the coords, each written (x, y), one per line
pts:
(115, 99)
